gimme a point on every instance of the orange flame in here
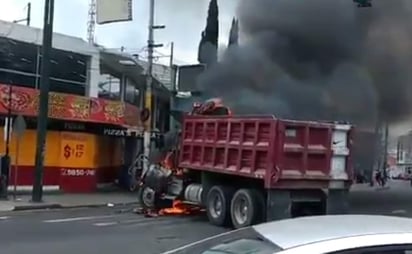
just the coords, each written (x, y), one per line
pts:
(180, 208)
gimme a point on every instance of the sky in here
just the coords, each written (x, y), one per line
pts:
(184, 20)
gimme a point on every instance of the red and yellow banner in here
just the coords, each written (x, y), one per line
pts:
(25, 101)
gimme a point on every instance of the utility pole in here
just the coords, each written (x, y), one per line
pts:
(385, 149)
(149, 82)
(172, 74)
(5, 161)
(9, 119)
(174, 90)
(376, 151)
(42, 118)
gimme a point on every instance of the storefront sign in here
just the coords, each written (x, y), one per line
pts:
(74, 126)
(68, 107)
(119, 132)
(126, 133)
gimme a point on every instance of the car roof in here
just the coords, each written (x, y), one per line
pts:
(305, 230)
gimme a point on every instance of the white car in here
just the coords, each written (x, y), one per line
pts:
(334, 234)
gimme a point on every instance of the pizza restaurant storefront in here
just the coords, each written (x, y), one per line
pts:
(80, 153)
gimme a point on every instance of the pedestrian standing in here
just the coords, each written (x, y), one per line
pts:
(378, 177)
(410, 176)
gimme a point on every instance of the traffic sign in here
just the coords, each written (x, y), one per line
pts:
(19, 126)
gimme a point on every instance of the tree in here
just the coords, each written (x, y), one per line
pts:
(234, 33)
(207, 53)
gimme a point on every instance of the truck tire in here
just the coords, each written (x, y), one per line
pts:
(247, 208)
(218, 205)
(147, 197)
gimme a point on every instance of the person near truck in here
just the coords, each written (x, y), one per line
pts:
(409, 176)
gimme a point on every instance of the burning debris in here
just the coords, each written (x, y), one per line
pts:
(318, 60)
(178, 208)
(181, 208)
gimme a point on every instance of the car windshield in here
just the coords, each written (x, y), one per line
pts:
(243, 241)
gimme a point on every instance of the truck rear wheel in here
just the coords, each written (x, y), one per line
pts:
(246, 208)
(218, 205)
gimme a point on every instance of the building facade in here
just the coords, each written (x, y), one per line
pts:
(75, 65)
(404, 152)
(82, 148)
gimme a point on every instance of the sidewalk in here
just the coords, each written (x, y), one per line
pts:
(53, 201)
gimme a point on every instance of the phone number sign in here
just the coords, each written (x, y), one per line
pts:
(77, 180)
(77, 172)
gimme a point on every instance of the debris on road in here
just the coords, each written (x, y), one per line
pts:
(178, 208)
(181, 208)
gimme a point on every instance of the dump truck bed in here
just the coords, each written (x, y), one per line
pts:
(262, 147)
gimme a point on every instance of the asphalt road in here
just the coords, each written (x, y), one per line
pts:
(118, 230)
(98, 230)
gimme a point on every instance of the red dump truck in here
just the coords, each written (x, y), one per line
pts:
(248, 169)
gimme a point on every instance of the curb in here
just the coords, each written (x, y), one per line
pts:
(98, 205)
(36, 207)
(60, 206)
(29, 192)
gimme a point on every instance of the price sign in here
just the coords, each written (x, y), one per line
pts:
(76, 151)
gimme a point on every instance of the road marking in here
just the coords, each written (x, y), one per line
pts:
(399, 212)
(78, 219)
(137, 220)
(164, 221)
(156, 222)
(123, 222)
(4, 217)
(105, 224)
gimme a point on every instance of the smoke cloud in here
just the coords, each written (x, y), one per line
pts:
(318, 60)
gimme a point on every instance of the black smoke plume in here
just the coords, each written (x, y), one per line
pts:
(319, 60)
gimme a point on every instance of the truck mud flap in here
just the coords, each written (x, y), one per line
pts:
(279, 203)
(337, 201)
